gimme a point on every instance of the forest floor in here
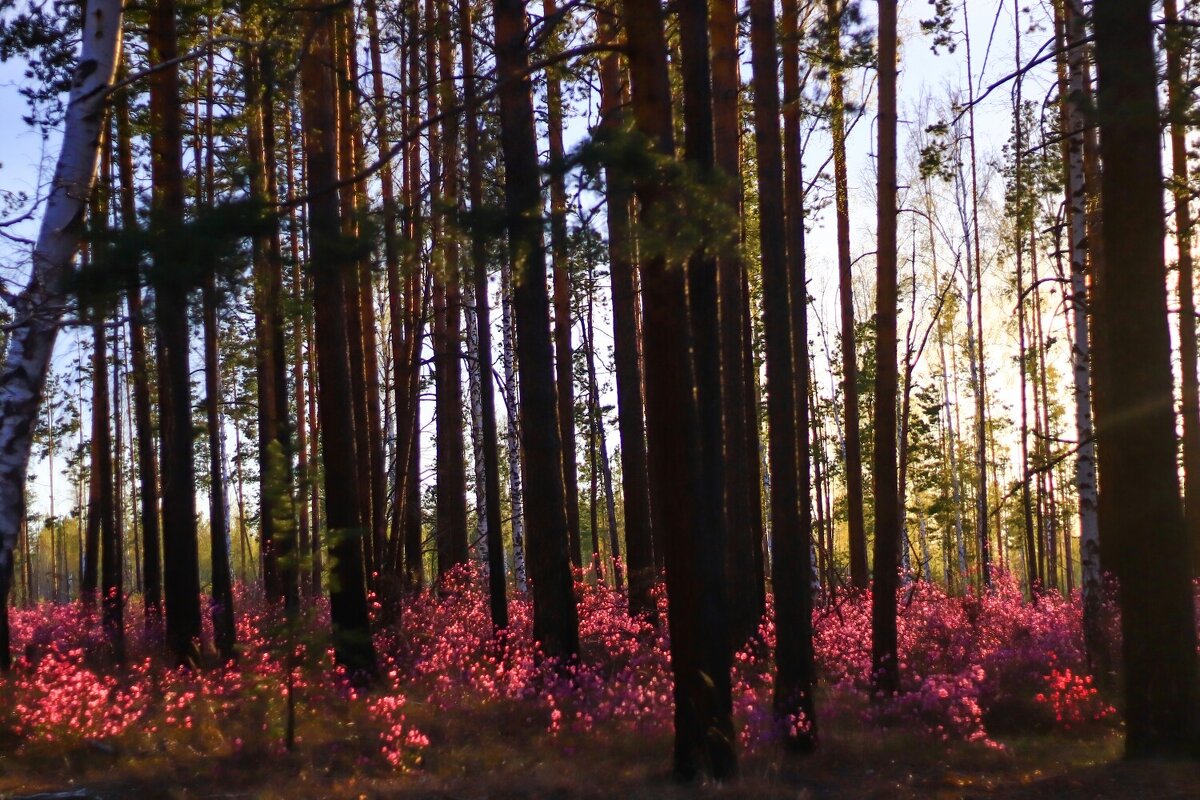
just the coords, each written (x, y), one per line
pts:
(473, 756)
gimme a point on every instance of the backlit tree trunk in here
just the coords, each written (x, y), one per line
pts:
(1137, 430)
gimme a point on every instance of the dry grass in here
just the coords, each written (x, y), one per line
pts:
(493, 751)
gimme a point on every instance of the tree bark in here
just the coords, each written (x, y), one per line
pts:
(707, 560)
(884, 661)
(1179, 101)
(490, 446)
(853, 448)
(564, 364)
(1137, 439)
(451, 449)
(630, 422)
(555, 623)
(344, 532)
(181, 570)
(795, 671)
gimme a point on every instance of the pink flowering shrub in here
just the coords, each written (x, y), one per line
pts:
(970, 667)
(1074, 699)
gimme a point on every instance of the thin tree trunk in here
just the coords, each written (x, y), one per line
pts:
(513, 426)
(147, 467)
(224, 628)
(630, 423)
(563, 359)
(853, 448)
(489, 444)
(981, 500)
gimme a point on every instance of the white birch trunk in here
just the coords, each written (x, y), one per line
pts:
(1085, 460)
(513, 436)
(38, 309)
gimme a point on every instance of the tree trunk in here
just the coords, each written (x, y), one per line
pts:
(1138, 438)
(512, 437)
(41, 304)
(837, 124)
(976, 267)
(181, 571)
(563, 359)
(1179, 101)
(795, 671)
(489, 444)
(224, 628)
(451, 450)
(344, 532)
(147, 467)
(555, 620)
(630, 423)
(706, 559)
(884, 662)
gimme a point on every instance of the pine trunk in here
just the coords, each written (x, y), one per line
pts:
(555, 622)
(1137, 430)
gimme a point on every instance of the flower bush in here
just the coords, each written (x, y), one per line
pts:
(969, 667)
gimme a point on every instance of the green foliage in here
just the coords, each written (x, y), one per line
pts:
(167, 254)
(44, 35)
(691, 216)
(940, 26)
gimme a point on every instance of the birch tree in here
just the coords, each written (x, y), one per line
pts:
(39, 308)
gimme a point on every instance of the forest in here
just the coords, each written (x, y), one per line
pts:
(599, 398)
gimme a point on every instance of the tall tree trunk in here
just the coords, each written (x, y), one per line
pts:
(1137, 441)
(884, 661)
(489, 445)
(359, 339)
(304, 483)
(630, 422)
(795, 671)
(976, 267)
(672, 421)
(218, 509)
(181, 570)
(224, 628)
(853, 448)
(564, 364)
(348, 597)
(109, 551)
(451, 450)
(147, 466)
(89, 576)
(39, 307)
(513, 426)
(408, 415)
(746, 592)
(391, 259)
(1179, 101)
(706, 559)
(555, 619)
